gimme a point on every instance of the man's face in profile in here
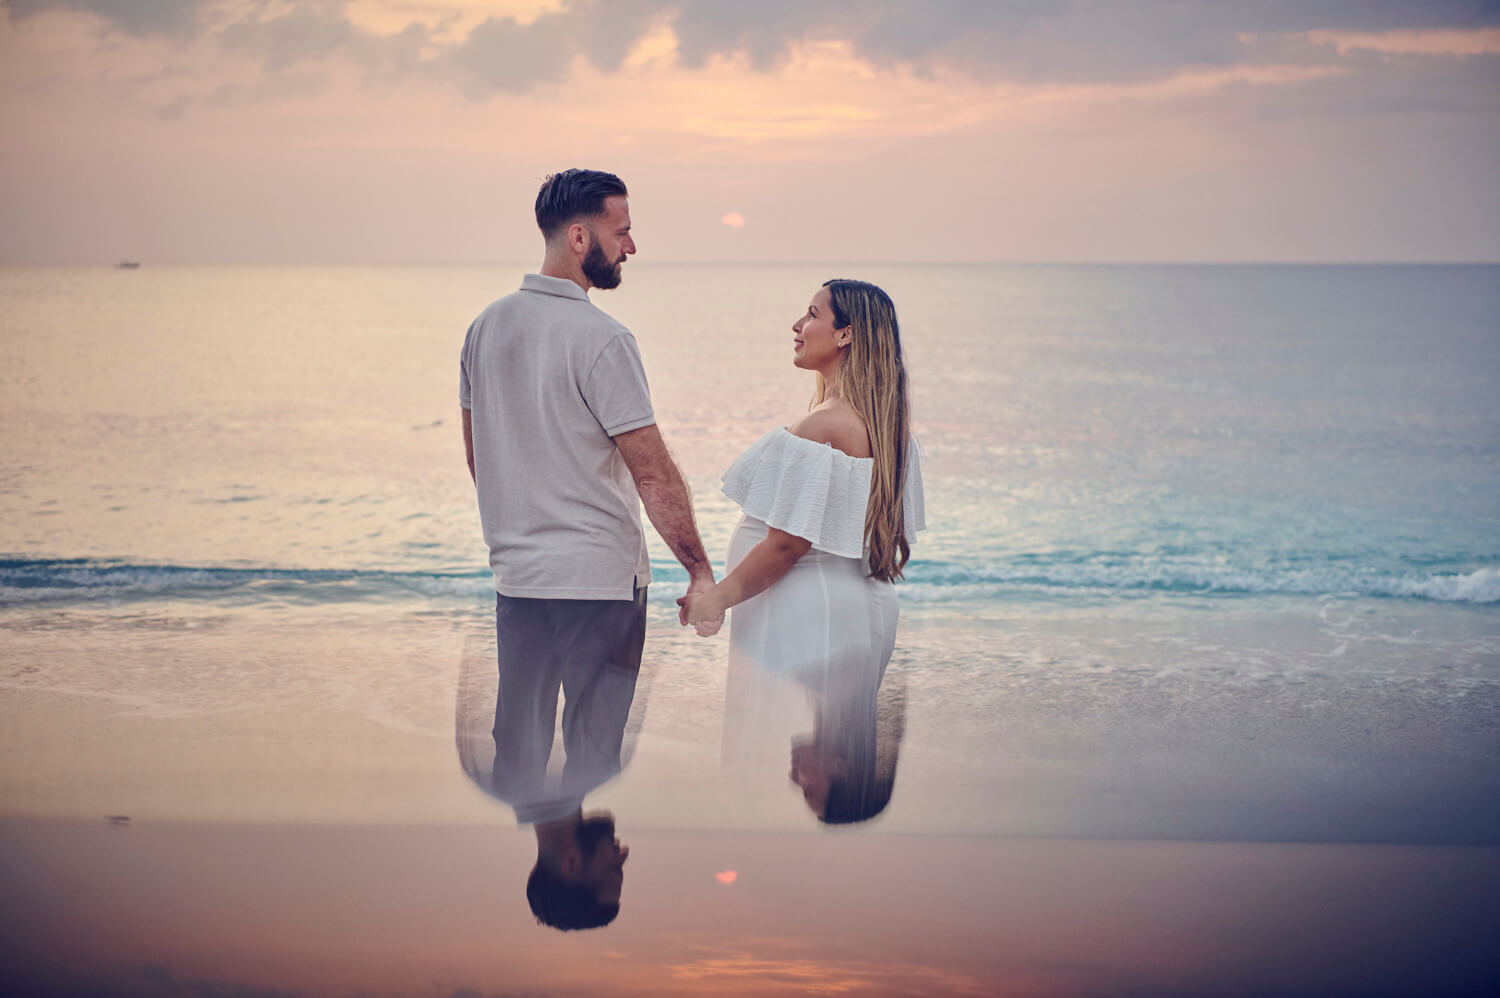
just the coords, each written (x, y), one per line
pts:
(576, 884)
(603, 867)
(609, 244)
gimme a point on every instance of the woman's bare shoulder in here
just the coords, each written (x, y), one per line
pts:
(834, 423)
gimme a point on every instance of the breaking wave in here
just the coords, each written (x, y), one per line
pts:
(81, 580)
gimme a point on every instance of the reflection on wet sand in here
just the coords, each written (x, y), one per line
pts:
(845, 765)
(775, 691)
(506, 727)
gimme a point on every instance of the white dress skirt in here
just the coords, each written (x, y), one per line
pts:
(826, 623)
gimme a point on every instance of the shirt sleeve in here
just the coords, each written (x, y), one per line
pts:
(465, 391)
(615, 389)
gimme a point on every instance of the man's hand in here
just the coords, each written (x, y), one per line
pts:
(700, 608)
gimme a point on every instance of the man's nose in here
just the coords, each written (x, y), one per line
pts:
(629, 246)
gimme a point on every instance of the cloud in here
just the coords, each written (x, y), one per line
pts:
(305, 34)
(504, 56)
(1057, 41)
(1060, 43)
(739, 970)
(1435, 42)
(134, 17)
(1065, 41)
(147, 981)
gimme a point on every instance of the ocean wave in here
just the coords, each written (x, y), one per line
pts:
(948, 582)
(80, 579)
(74, 580)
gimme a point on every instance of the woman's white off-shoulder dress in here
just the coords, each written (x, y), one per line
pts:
(826, 623)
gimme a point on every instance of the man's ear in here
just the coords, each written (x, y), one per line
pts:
(579, 237)
(570, 863)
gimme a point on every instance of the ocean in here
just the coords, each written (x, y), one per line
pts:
(1213, 551)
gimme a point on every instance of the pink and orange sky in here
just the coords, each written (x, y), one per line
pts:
(416, 131)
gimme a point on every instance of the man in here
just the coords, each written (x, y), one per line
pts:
(563, 448)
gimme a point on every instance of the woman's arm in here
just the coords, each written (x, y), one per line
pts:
(834, 424)
(760, 569)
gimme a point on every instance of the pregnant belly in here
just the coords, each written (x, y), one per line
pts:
(824, 619)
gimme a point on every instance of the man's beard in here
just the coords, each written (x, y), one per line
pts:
(600, 272)
(594, 832)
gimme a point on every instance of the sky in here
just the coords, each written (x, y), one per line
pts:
(417, 131)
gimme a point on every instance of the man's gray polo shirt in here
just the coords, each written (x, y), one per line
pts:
(550, 380)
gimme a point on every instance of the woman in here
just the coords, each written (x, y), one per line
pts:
(831, 504)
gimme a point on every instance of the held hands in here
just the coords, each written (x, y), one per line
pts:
(699, 610)
(700, 607)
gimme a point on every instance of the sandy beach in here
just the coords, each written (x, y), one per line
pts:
(264, 722)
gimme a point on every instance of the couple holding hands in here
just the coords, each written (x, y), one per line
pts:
(563, 448)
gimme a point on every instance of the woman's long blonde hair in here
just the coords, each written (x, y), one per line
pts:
(872, 379)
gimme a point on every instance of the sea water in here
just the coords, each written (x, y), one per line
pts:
(1179, 517)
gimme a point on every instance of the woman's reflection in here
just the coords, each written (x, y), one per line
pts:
(507, 723)
(847, 767)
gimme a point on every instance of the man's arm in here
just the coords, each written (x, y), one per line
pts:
(665, 496)
(469, 442)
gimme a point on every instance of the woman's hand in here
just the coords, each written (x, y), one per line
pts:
(703, 610)
(767, 562)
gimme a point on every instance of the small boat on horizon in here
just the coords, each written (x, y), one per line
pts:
(128, 265)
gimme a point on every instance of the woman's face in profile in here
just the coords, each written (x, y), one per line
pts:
(815, 342)
(812, 769)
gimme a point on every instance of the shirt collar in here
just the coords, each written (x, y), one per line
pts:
(561, 287)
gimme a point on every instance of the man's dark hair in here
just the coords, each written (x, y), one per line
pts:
(565, 906)
(574, 194)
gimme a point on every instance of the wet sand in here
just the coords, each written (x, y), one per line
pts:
(298, 824)
(346, 714)
(163, 909)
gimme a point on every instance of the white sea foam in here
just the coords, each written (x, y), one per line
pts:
(1479, 586)
(937, 582)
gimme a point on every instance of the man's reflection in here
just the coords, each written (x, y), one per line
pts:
(589, 651)
(579, 872)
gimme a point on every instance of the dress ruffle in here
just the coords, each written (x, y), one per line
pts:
(815, 491)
